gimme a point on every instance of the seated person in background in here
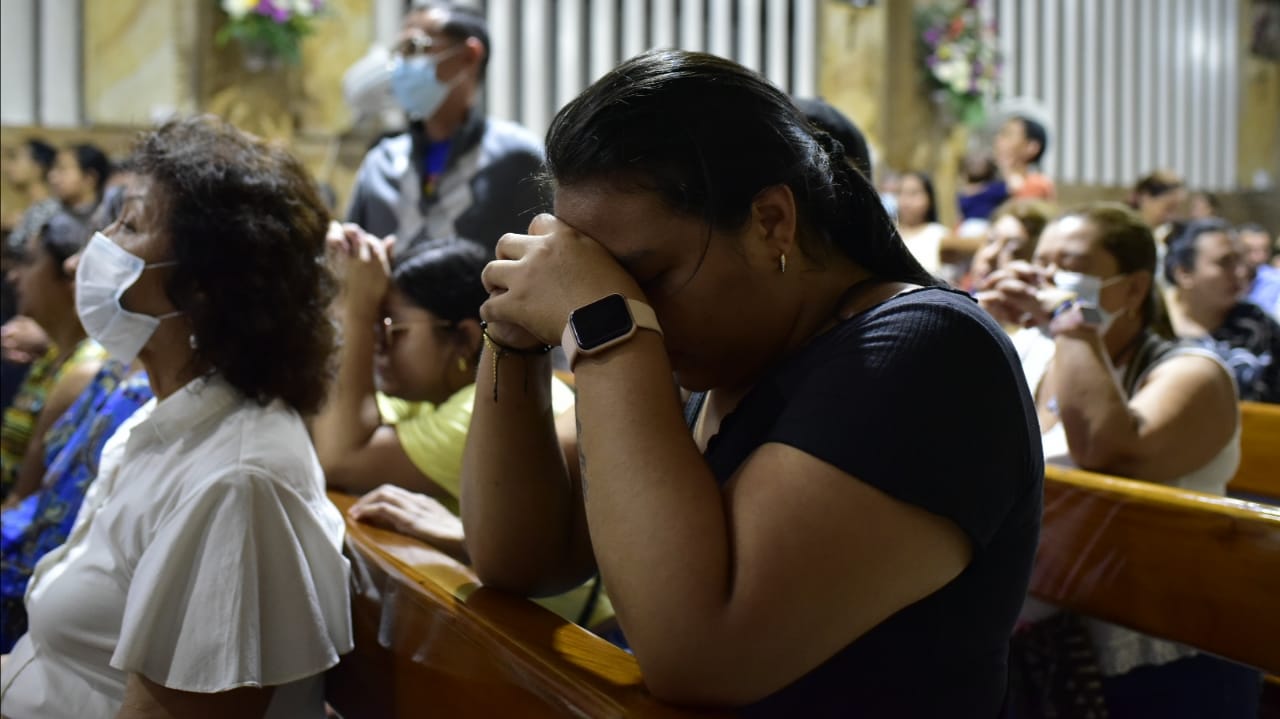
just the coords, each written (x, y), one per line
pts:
(1202, 205)
(401, 404)
(42, 521)
(918, 224)
(1115, 396)
(1205, 273)
(79, 178)
(1160, 199)
(771, 285)
(1020, 144)
(1015, 229)
(400, 407)
(46, 294)
(1263, 277)
(454, 172)
(204, 575)
(983, 190)
(26, 169)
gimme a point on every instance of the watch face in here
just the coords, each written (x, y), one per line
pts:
(601, 321)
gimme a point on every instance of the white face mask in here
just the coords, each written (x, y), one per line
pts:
(1088, 291)
(105, 272)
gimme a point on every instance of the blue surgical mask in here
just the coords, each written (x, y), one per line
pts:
(415, 85)
(1088, 291)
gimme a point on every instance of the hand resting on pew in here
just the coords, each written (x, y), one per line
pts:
(415, 515)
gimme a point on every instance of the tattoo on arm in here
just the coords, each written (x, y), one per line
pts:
(582, 454)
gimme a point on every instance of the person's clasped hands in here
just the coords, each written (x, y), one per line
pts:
(538, 279)
(362, 263)
(1024, 294)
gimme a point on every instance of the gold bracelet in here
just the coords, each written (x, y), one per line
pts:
(499, 350)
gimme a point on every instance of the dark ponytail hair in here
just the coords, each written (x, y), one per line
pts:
(443, 277)
(707, 135)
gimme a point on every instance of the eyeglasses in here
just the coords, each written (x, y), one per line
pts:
(420, 44)
(385, 331)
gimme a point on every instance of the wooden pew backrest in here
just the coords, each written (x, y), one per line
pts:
(1186, 566)
(430, 642)
(1259, 472)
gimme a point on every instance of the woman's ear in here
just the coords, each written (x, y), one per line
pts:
(469, 338)
(772, 226)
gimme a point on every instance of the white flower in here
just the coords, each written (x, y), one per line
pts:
(304, 8)
(954, 73)
(238, 8)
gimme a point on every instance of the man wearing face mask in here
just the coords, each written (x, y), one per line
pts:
(454, 172)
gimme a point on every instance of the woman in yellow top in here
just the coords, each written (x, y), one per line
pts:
(397, 419)
(46, 294)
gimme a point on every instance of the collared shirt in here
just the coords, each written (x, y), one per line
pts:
(206, 557)
(488, 187)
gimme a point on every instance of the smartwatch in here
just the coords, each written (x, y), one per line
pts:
(605, 323)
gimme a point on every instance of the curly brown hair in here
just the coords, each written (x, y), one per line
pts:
(247, 227)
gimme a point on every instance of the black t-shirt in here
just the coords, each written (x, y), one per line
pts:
(923, 398)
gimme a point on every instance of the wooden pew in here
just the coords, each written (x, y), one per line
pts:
(430, 642)
(1259, 472)
(1190, 567)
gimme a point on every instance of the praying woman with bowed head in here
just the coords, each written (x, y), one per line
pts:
(796, 539)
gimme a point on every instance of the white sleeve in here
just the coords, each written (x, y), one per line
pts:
(244, 584)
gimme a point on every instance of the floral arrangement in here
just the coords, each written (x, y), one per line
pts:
(270, 27)
(959, 57)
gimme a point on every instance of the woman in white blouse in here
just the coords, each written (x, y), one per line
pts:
(204, 575)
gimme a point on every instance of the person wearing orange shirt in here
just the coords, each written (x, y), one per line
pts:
(1019, 145)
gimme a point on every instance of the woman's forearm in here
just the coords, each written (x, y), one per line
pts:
(350, 417)
(658, 518)
(1092, 407)
(521, 508)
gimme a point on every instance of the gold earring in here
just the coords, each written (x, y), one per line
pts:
(782, 262)
(462, 364)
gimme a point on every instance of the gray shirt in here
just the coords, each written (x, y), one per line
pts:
(489, 185)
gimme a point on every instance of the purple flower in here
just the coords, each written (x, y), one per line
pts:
(932, 36)
(271, 10)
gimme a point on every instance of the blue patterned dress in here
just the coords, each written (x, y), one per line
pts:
(43, 520)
